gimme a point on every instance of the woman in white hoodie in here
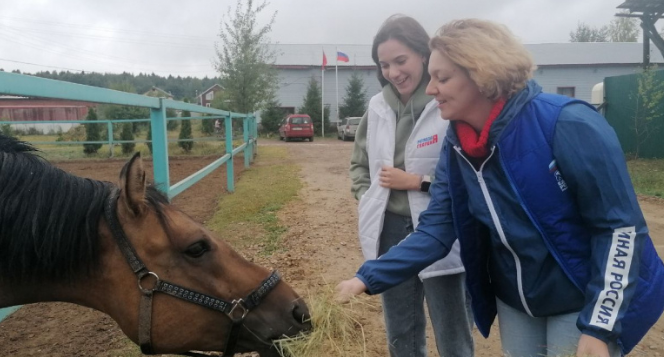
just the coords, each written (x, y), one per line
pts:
(397, 147)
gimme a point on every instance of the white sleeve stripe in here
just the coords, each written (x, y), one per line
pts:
(619, 262)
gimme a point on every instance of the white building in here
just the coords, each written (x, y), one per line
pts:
(566, 68)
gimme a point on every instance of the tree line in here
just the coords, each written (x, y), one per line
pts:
(179, 87)
(620, 29)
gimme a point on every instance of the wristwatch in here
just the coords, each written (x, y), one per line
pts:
(425, 183)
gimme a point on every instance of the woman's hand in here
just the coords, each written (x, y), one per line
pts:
(592, 347)
(348, 289)
(397, 179)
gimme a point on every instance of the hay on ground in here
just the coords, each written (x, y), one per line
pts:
(336, 332)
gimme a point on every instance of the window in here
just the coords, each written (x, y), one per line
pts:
(354, 121)
(209, 95)
(300, 120)
(568, 91)
(207, 105)
(288, 110)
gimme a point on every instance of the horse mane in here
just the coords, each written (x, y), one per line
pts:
(49, 218)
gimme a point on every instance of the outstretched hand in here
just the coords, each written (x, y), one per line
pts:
(347, 289)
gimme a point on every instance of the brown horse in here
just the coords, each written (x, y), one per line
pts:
(168, 282)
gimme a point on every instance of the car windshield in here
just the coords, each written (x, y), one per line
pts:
(354, 121)
(299, 120)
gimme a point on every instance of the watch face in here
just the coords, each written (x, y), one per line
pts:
(424, 186)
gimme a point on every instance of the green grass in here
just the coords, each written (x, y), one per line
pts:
(647, 176)
(261, 192)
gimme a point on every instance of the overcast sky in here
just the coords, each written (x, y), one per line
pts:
(178, 37)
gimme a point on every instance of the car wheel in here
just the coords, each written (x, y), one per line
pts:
(311, 139)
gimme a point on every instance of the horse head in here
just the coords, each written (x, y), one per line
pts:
(197, 265)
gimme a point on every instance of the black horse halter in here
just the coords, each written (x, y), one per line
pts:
(236, 310)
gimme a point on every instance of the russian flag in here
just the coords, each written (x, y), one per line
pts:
(342, 57)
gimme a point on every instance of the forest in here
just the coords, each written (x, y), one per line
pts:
(179, 87)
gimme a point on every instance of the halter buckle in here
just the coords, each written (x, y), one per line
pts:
(148, 291)
(239, 303)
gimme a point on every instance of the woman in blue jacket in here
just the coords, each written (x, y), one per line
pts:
(536, 189)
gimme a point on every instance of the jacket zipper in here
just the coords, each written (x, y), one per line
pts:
(497, 224)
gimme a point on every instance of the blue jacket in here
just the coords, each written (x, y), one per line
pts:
(549, 223)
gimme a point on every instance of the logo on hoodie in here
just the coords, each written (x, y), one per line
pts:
(429, 140)
(553, 169)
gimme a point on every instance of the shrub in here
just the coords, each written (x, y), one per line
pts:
(127, 134)
(207, 126)
(91, 133)
(185, 133)
(7, 130)
(34, 131)
(171, 125)
(149, 139)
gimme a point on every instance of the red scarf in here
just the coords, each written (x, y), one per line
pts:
(472, 144)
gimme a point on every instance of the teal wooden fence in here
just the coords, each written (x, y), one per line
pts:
(29, 86)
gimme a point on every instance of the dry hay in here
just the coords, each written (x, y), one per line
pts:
(336, 332)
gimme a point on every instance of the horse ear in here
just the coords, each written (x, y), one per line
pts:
(132, 183)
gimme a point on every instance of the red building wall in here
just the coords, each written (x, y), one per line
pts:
(43, 109)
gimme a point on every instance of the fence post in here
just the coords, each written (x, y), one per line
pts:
(247, 148)
(254, 134)
(109, 132)
(160, 147)
(230, 175)
(252, 137)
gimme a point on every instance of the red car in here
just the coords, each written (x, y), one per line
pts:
(298, 126)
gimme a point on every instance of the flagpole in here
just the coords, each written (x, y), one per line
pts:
(336, 76)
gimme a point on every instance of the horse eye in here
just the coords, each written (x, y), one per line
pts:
(197, 249)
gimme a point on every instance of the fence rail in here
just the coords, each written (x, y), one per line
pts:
(110, 140)
(29, 86)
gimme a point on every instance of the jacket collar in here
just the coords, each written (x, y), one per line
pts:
(509, 112)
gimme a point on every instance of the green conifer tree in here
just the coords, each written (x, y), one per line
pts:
(312, 106)
(127, 134)
(92, 133)
(185, 133)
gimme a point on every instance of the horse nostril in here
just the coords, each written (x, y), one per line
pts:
(301, 314)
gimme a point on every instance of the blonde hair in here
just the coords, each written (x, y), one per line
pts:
(494, 59)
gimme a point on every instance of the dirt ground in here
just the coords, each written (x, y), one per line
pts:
(321, 249)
